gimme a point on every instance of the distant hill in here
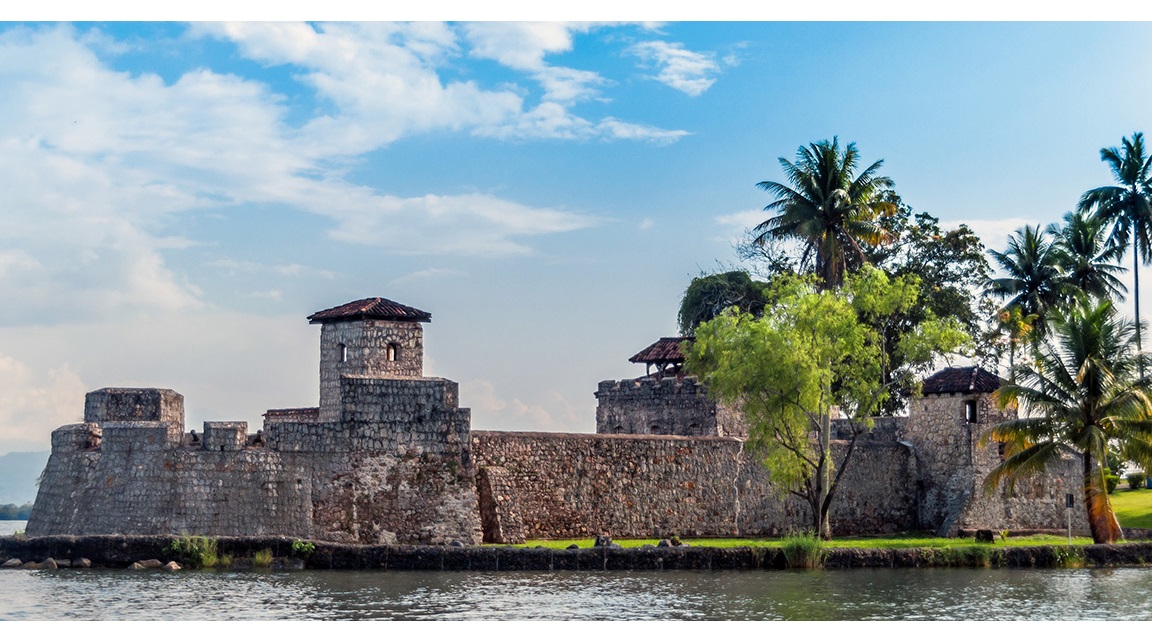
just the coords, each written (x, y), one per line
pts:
(18, 473)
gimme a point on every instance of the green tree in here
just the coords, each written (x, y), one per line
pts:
(1086, 257)
(829, 208)
(813, 349)
(1083, 392)
(708, 295)
(1126, 207)
(1034, 282)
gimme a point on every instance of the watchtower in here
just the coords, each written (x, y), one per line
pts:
(372, 337)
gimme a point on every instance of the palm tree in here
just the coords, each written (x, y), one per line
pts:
(1127, 206)
(1086, 257)
(1084, 392)
(1034, 282)
(828, 208)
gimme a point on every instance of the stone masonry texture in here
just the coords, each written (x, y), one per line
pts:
(389, 457)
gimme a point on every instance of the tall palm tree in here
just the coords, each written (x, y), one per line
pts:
(1033, 281)
(1084, 392)
(828, 207)
(1086, 257)
(1127, 206)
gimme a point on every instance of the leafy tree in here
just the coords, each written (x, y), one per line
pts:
(1086, 257)
(1033, 281)
(1126, 206)
(708, 295)
(811, 350)
(1085, 392)
(829, 208)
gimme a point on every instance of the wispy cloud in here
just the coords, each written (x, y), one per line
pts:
(686, 71)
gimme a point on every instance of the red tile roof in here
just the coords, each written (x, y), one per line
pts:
(373, 308)
(961, 380)
(665, 350)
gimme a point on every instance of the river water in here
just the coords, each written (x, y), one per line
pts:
(888, 594)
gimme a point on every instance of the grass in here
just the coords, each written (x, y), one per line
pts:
(262, 558)
(898, 541)
(1133, 507)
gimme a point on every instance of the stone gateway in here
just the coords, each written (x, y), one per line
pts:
(389, 457)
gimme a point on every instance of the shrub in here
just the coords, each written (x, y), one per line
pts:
(225, 561)
(303, 548)
(262, 559)
(194, 552)
(1111, 480)
(803, 550)
(1135, 479)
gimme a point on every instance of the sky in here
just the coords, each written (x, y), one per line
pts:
(176, 198)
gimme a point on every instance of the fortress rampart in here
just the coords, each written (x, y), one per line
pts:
(389, 457)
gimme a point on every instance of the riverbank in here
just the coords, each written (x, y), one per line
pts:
(115, 551)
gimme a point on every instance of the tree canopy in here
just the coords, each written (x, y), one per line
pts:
(811, 350)
(710, 294)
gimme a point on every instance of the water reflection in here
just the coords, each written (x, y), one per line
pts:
(948, 594)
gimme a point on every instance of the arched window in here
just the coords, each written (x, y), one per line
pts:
(393, 351)
(970, 411)
(342, 350)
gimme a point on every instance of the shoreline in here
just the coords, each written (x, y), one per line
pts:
(119, 551)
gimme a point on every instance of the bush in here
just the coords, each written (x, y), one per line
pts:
(803, 550)
(1111, 480)
(194, 552)
(1135, 479)
(262, 559)
(303, 548)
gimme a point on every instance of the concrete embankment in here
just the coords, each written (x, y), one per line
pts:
(115, 551)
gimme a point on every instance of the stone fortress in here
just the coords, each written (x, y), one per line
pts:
(389, 457)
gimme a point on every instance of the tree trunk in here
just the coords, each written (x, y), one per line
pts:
(824, 529)
(1136, 297)
(1101, 519)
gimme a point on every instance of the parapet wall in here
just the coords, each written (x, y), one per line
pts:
(662, 406)
(574, 485)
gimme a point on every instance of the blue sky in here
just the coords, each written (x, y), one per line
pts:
(178, 198)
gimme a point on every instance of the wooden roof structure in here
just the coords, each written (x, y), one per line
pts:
(961, 380)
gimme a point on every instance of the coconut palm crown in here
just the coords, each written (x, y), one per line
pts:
(1033, 282)
(1126, 207)
(1086, 257)
(1082, 393)
(828, 207)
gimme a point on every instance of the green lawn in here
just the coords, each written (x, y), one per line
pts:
(1133, 508)
(903, 540)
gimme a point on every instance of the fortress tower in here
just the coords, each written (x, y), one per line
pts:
(372, 337)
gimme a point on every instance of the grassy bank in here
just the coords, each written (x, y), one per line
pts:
(898, 541)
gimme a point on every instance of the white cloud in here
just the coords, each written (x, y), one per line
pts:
(34, 403)
(429, 273)
(993, 232)
(523, 45)
(742, 220)
(647, 223)
(686, 71)
(490, 411)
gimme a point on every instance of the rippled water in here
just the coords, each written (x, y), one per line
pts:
(949, 594)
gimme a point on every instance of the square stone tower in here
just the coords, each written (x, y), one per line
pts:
(372, 337)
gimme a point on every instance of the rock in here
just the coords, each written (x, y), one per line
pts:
(64, 563)
(30, 565)
(151, 563)
(602, 541)
(12, 563)
(572, 546)
(137, 566)
(664, 544)
(49, 564)
(82, 562)
(294, 564)
(984, 536)
(171, 566)
(455, 543)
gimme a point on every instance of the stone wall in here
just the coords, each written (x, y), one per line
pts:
(572, 485)
(663, 406)
(366, 348)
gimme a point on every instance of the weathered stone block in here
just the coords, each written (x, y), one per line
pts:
(133, 405)
(225, 435)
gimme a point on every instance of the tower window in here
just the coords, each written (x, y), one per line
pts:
(342, 350)
(393, 351)
(970, 411)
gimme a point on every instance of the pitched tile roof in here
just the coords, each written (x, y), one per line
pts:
(961, 380)
(373, 308)
(665, 350)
